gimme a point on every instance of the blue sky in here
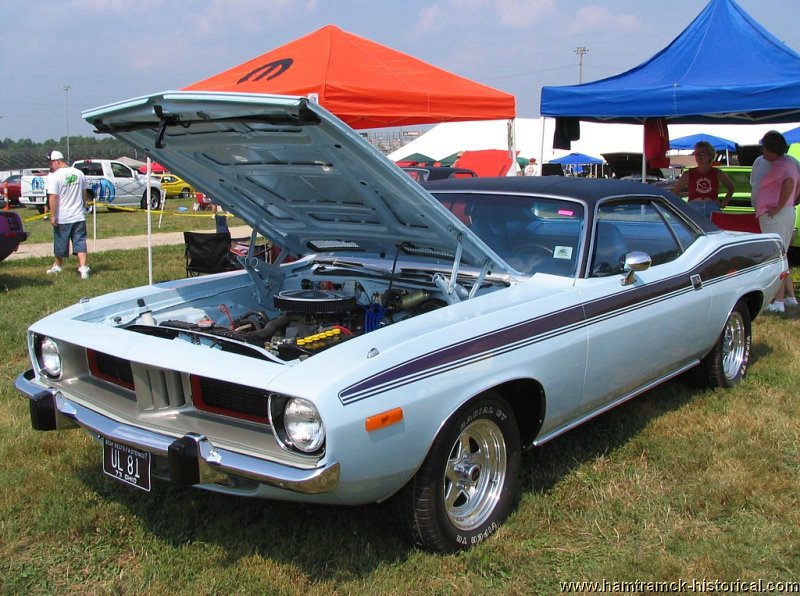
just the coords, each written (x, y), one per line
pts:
(109, 50)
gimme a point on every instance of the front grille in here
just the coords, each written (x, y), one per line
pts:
(230, 399)
(160, 389)
(110, 368)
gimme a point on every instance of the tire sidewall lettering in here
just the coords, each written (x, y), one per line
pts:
(478, 537)
(482, 411)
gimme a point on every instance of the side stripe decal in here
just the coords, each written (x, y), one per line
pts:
(725, 263)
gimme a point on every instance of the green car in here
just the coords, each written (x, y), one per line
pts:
(740, 202)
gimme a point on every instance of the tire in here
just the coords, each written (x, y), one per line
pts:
(726, 364)
(185, 193)
(467, 484)
(155, 200)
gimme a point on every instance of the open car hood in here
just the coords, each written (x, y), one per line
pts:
(292, 171)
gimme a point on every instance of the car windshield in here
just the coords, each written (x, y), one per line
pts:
(532, 234)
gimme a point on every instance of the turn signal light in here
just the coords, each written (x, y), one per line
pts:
(384, 419)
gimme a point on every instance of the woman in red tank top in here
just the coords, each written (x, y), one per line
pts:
(702, 183)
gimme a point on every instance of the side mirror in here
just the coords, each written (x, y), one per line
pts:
(635, 261)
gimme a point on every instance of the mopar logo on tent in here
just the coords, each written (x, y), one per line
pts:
(37, 183)
(104, 190)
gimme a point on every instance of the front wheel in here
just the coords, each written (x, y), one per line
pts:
(726, 364)
(468, 482)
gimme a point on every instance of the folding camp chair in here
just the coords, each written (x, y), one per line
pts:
(208, 253)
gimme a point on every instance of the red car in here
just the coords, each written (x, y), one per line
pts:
(10, 189)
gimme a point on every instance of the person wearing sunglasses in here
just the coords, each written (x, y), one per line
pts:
(702, 184)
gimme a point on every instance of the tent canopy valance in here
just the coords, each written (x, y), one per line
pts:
(365, 84)
(696, 78)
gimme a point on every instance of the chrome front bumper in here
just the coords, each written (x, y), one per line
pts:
(193, 459)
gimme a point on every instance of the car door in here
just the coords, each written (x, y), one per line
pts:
(127, 184)
(652, 326)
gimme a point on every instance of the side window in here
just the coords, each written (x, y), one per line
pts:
(685, 234)
(637, 225)
(121, 171)
(90, 168)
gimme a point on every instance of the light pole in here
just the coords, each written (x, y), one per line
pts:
(66, 103)
(580, 50)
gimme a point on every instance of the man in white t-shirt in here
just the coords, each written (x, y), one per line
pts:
(67, 197)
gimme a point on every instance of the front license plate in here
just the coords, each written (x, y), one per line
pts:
(126, 464)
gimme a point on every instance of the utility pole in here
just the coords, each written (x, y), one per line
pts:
(66, 103)
(580, 50)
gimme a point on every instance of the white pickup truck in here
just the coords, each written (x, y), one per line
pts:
(31, 188)
(110, 182)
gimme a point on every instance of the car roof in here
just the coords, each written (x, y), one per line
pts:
(588, 190)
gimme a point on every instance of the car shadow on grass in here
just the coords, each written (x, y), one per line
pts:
(327, 542)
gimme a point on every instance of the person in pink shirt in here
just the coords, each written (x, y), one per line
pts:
(775, 200)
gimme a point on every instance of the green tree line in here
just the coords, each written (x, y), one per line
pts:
(24, 153)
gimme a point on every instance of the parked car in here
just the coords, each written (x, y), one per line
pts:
(174, 186)
(422, 174)
(410, 354)
(9, 189)
(12, 233)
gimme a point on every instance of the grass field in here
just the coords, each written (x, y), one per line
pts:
(677, 485)
(177, 216)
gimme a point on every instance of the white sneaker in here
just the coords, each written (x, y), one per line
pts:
(53, 269)
(84, 271)
(775, 307)
(790, 301)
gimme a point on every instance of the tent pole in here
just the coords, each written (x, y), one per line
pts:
(512, 147)
(644, 157)
(149, 226)
(540, 165)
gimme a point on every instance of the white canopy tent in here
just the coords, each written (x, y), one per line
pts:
(596, 138)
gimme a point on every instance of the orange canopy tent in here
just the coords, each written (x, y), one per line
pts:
(365, 84)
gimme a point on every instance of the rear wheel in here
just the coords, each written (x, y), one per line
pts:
(467, 484)
(185, 193)
(726, 364)
(155, 199)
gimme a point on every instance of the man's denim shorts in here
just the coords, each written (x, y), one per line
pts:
(63, 233)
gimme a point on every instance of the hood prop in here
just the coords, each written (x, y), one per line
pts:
(165, 120)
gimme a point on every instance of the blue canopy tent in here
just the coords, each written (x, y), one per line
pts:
(576, 161)
(718, 143)
(762, 85)
(689, 142)
(580, 159)
(792, 136)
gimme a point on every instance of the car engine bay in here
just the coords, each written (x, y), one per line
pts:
(320, 303)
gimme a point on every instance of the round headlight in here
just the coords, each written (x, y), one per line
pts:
(51, 358)
(303, 425)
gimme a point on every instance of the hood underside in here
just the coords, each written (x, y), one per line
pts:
(292, 171)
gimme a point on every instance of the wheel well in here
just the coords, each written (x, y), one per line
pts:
(754, 301)
(526, 398)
